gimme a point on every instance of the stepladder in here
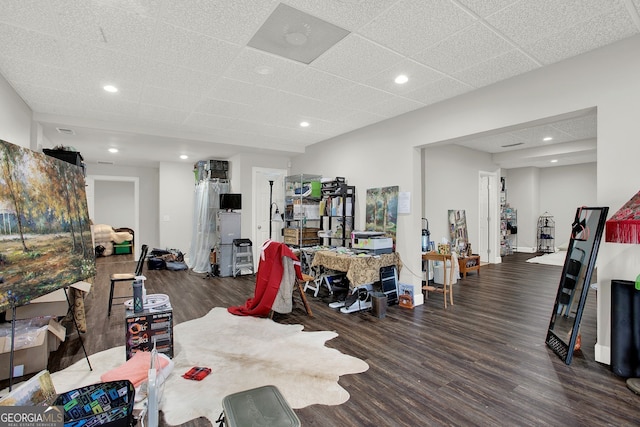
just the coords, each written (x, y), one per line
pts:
(242, 260)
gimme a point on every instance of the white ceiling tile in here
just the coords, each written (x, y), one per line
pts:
(127, 90)
(637, 5)
(486, 7)
(141, 7)
(179, 79)
(350, 15)
(584, 36)
(195, 51)
(246, 68)
(394, 107)
(530, 20)
(165, 116)
(47, 95)
(225, 108)
(360, 119)
(495, 143)
(30, 14)
(30, 46)
(99, 24)
(162, 97)
(579, 128)
(59, 110)
(209, 121)
(232, 20)
(409, 26)
(470, 46)
(316, 84)
(356, 58)
(418, 75)
(241, 92)
(288, 103)
(360, 96)
(111, 104)
(98, 64)
(439, 90)
(17, 71)
(538, 133)
(495, 69)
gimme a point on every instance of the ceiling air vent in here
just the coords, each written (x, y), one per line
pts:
(65, 131)
(515, 144)
(104, 162)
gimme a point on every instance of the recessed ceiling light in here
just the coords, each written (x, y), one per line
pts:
(304, 124)
(554, 161)
(113, 150)
(184, 156)
(547, 138)
(401, 79)
(263, 69)
(110, 88)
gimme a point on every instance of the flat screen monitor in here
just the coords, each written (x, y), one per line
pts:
(231, 201)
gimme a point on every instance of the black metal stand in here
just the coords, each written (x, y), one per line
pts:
(13, 337)
(270, 207)
(86, 356)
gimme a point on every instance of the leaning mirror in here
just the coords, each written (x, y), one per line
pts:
(586, 233)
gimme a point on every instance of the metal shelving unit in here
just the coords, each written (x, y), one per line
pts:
(546, 233)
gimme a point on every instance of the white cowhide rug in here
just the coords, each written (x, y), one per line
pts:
(243, 353)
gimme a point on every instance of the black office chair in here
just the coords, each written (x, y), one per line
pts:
(127, 277)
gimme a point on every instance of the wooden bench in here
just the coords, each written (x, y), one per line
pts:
(469, 263)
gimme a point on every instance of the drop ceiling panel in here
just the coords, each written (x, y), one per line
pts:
(418, 75)
(240, 92)
(177, 78)
(104, 26)
(38, 74)
(580, 127)
(154, 113)
(167, 98)
(538, 133)
(349, 15)
(191, 50)
(499, 68)
(409, 26)
(394, 107)
(462, 50)
(486, 7)
(30, 14)
(527, 21)
(44, 95)
(360, 96)
(255, 66)
(439, 90)
(356, 58)
(91, 64)
(583, 36)
(30, 46)
(316, 84)
(232, 20)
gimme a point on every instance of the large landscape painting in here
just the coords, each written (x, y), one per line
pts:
(45, 234)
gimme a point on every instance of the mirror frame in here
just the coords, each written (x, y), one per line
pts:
(557, 343)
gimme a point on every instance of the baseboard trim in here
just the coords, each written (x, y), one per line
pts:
(603, 354)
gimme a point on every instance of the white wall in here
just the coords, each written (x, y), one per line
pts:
(451, 182)
(523, 194)
(176, 203)
(15, 117)
(606, 78)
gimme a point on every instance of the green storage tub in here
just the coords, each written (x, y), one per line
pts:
(258, 406)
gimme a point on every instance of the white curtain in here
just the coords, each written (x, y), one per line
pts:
(203, 239)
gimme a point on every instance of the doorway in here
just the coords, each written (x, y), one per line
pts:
(115, 191)
(489, 225)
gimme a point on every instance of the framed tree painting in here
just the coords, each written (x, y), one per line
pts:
(382, 210)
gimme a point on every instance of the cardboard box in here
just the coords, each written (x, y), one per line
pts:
(52, 304)
(142, 329)
(34, 355)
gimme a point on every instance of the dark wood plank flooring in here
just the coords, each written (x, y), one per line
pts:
(481, 362)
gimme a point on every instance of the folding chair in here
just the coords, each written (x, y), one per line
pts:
(127, 277)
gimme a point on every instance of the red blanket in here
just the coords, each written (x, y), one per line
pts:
(270, 269)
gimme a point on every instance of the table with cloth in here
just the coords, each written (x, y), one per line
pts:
(361, 269)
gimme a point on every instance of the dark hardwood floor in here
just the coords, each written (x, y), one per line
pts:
(481, 362)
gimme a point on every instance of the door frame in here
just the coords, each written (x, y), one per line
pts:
(493, 228)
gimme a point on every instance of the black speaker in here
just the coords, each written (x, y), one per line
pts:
(625, 329)
(389, 283)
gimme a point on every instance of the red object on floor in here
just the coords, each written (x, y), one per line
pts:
(197, 373)
(268, 280)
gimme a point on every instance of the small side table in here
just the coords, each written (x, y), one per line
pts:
(469, 263)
